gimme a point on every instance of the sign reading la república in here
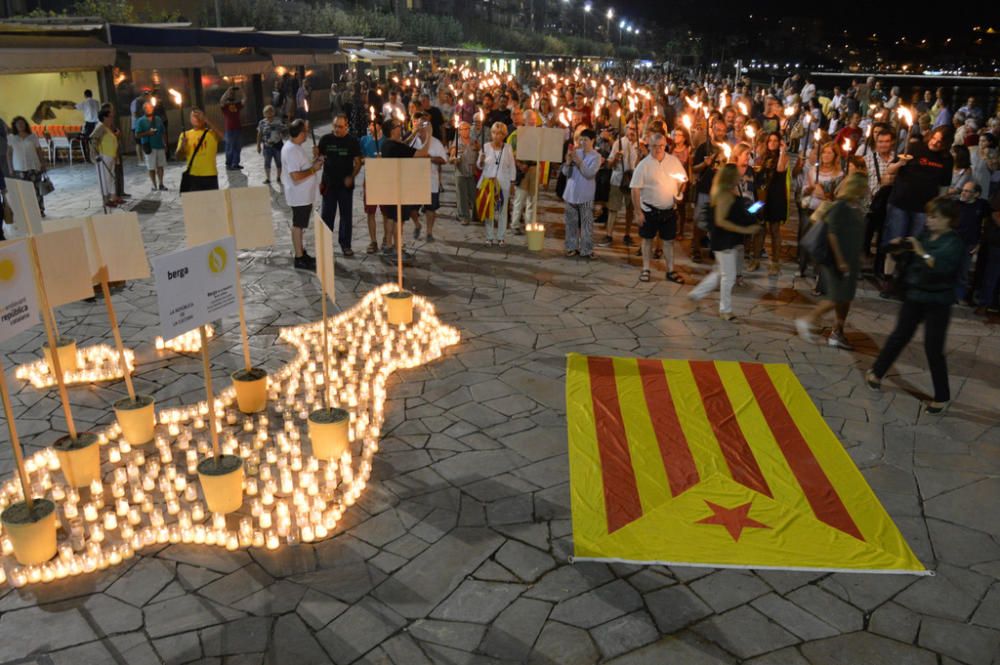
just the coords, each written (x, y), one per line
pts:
(196, 286)
(18, 296)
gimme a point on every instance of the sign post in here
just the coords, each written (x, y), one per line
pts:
(538, 144)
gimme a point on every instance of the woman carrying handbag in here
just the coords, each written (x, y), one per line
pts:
(199, 146)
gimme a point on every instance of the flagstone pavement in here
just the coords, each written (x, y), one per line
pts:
(457, 551)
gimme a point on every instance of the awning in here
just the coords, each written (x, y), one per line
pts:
(400, 56)
(330, 58)
(22, 54)
(242, 65)
(169, 58)
(368, 55)
(291, 58)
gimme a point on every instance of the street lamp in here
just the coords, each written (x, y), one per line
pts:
(586, 10)
(607, 23)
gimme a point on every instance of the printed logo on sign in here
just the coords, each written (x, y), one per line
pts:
(217, 259)
(7, 270)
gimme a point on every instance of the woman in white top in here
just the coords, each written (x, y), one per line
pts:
(27, 158)
(497, 163)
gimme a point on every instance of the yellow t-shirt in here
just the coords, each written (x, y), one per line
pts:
(107, 144)
(204, 160)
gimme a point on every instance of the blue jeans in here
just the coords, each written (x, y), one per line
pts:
(234, 143)
(901, 223)
(991, 278)
(334, 200)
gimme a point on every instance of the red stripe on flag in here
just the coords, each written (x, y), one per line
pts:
(739, 457)
(621, 495)
(815, 484)
(677, 459)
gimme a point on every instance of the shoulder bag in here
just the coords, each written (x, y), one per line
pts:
(186, 176)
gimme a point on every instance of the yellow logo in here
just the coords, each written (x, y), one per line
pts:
(7, 270)
(217, 259)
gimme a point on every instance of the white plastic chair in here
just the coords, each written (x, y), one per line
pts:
(62, 143)
(47, 148)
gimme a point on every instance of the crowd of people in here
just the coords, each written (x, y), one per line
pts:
(833, 184)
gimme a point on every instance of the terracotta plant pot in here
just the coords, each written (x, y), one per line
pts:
(251, 389)
(31, 532)
(137, 419)
(80, 460)
(536, 239)
(328, 433)
(222, 483)
(400, 305)
(66, 348)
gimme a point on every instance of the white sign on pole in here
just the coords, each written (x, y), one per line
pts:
(119, 240)
(324, 257)
(65, 266)
(196, 286)
(540, 144)
(392, 181)
(24, 204)
(63, 223)
(18, 296)
(205, 216)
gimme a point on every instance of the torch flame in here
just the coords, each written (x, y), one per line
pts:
(847, 146)
(399, 115)
(743, 108)
(750, 132)
(371, 113)
(176, 96)
(817, 135)
(726, 150)
(906, 115)
(693, 103)
(686, 120)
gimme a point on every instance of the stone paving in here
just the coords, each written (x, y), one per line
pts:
(457, 551)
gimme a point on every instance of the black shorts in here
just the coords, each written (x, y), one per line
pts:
(389, 212)
(301, 215)
(433, 205)
(662, 222)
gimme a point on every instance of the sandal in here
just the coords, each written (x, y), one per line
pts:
(675, 278)
(935, 407)
(571, 252)
(644, 276)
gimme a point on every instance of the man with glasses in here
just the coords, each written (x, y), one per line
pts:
(342, 153)
(656, 184)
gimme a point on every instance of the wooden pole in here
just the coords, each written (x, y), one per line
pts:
(206, 365)
(239, 285)
(399, 223)
(56, 367)
(15, 443)
(538, 185)
(326, 344)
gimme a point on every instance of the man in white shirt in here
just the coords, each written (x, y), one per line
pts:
(438, 155)
(655, 186)
(808, 91)
(623, 158)
(298, 175)
(89, 108)
(393, 108)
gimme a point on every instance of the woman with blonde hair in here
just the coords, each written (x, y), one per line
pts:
(845, 229)
(496, 160)
(729, 223)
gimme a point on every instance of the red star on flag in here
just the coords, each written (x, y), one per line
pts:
(735, 519)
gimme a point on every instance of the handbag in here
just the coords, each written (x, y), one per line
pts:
(45, 186)
(816, 243)
(186, 176)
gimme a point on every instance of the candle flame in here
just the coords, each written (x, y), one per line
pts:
(789, 111)
(817, 135)
(371, 113)
(686, 120)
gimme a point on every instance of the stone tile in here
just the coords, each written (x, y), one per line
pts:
(650, 579)
(109, 615)
(835, 612)
(424, 582)
(237, 585)
(478, 602)
(593, 608)
(286, 561)
(675, 608)
(745, 632)
(184, 613)
(143, 581)
(213, 558)
(364, 625)
(864, 648)
(513, 634)
(279, 598)
(20, 635)
(969, 644)
(625, 634)
(318, 609)
(687, 648)
(896, 622)
(787, 656)
(526, 562)
(953, 593)
(559, 644)
(181, 648)
(727, 589)
(794, 619)
(248, 635)
(568, 581)
(455, 634)
(293, 642)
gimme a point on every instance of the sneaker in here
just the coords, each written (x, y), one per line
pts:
(347, 251)
(606, 242)
(727, 316)
(935, 407)
(804, 329)
(303, 263)
(519, 231)
(430, 238)
(873, 381)
(372, 247)
(267, 181)
(839, 342)
(627, 241)
(163, 188)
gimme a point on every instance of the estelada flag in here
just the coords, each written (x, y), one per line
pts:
(724, 464)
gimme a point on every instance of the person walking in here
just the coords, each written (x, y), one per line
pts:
(26, 156)
(341, 154)
(271, 134)
(301, 187)
(198, 147)
(656, 189)
(845, 229)
(496, 161)
(232, 104)
(933, 260)
(150, 131)
(89, 107)
(729, 223)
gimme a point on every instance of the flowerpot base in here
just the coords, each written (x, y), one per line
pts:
(137, 419)
(32, 532)
(251, 389)
(66, 350)
(222, 483)
(80, 460)
(328, 432)
(400, 305)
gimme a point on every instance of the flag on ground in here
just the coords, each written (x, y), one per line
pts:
(724, 464)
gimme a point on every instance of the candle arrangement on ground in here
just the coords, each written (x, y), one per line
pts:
(189, 342)
(94, 364)
(151, 494)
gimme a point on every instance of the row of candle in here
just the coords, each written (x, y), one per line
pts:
(94, 364)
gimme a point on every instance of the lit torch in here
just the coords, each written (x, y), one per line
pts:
(178, 99)
(371, 114)
(743, 108)
(907, 116)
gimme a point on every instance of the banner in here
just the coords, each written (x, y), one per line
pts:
(196, 286)
(723, 464)
(18, 295)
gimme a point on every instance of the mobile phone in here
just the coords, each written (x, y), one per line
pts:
(755, 207)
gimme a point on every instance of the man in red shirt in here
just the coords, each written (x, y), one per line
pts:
(231, 104)
(851, 132)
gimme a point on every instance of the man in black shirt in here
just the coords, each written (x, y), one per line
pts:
(435, 115)
(343, 161)
(499, 114)
(921, 175)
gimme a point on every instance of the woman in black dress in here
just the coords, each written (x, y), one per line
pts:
(772, 189)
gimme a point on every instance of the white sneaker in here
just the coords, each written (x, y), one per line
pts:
(804, 329)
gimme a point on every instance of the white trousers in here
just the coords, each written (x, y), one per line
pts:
(524, 208)
(723, 275)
